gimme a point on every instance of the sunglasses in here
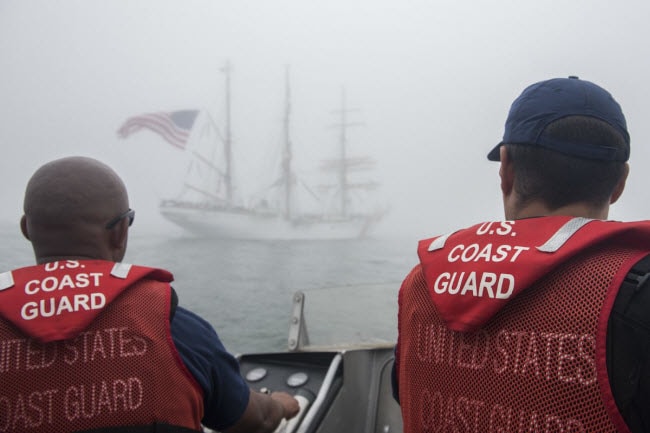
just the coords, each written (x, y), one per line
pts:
(130, 214)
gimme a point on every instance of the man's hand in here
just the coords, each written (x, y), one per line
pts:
(265, 412)
(289, 404)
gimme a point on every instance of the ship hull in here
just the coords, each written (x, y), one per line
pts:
(239, 223)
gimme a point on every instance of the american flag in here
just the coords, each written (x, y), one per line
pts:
(173, 126)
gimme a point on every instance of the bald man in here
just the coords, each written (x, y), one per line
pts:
(87, 342)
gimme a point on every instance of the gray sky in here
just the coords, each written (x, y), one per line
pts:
(432, 81)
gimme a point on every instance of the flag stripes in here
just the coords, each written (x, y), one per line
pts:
(174, 126)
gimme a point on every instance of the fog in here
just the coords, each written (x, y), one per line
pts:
(430, 81)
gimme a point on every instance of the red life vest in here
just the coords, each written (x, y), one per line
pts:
(502, 326)
(87, 344)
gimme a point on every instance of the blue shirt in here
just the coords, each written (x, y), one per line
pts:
(225, 391)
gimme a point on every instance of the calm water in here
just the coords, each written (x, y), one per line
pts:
(245, 288)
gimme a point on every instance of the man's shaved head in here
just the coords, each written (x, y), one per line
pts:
(74, 189)
(68, 203)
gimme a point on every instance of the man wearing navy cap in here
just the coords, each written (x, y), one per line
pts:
(539, 322)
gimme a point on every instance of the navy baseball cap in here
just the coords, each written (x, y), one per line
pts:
(542, 103)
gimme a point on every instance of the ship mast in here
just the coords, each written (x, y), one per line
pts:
(343, 125)
(228, 138)
(286, 155)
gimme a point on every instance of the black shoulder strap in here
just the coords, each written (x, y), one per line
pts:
(174, 304)
(634, 286)
(628, 347)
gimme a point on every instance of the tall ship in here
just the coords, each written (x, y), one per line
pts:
(208, 204)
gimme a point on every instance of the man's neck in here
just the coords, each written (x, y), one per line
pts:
(60, 258)
(576, 210)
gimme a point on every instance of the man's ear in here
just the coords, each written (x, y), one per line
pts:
(118, 235)
(118, 238)
(23, 227)
(620, 186)
(506, 172)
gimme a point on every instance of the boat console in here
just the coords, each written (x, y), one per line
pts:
(344, 388)
(313, 378)
(347, 390)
